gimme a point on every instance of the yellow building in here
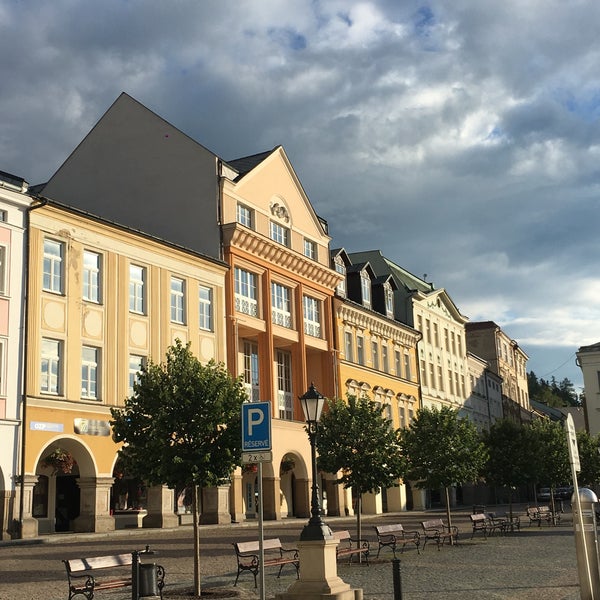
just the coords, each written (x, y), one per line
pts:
(377, 357)
(102, 300)
(279, 321)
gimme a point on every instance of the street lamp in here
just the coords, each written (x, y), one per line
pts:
(312, 405)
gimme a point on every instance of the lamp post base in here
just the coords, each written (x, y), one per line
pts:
(318, 574)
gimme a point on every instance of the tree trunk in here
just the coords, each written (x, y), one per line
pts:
(196, 517)
(359, 523)
(448, 514)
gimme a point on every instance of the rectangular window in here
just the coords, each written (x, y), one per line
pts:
(245, 292)
(348, 346)
(205, 298)
(365, 288)
(50, 366)
(389, 301)
(450, 383)
(137, 280)
(312, 316)
(397, 363)
(384, 359)
(280, 234)
(280, 305)
(440, 378)
(360, 350)
(432, 376)
(310, 249)
(53, 266)
(135, 366)
(402, 416)
(284, 385)
(177, 300)
(428, 330)
(375, 354)
(244, 216)
(91, 276)
(251, 384)
(3, 270)
(89, 372)
(436, 335)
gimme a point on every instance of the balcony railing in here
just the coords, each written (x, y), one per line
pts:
(312, 328)
(286, 405)
(281, 317)
(253, 392)
(246, 305)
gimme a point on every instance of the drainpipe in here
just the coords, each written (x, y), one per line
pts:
(38, 203)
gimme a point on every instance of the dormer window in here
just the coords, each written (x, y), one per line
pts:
(340, 268)
(365, 288)
(389, 300)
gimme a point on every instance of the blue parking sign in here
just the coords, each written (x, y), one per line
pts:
(256, 426)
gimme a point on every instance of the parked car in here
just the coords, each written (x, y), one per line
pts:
(560, 493)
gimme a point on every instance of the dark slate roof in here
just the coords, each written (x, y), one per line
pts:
(245, 164)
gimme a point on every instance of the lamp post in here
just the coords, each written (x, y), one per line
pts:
(312, 405)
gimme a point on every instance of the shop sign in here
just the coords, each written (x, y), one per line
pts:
(91, 427)
(41, 426)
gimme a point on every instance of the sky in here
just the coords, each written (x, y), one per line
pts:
(461, 138)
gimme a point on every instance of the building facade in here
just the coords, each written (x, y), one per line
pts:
(588, 360)
(14, 205)
(103, 300)
(507, 360)
(442, 351)
(376, 358)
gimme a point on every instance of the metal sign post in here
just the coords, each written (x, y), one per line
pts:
(256, 448)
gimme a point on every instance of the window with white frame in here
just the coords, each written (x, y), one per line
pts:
(280, 305)
(245, 292)
(407, 369)
(244, 215)
(136, 363)
(205, 303)
(50, 366)
(91, 276)
(89, 372)
(389, 300)
(53, 266)
(177, 300)
(137, 284)
(2, 367)
(310, 249)
(251, 382)
(402, 416)
(312, 316)
(280, 234)
(340, 268)
(349, 346)
(3, 270)
(397, 363)
(384, 358)
(285, 399)
(365, 288)
(360, 350)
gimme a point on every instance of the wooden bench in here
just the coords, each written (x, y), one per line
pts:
(391, 536)
(439, 532)
(537, 514)
(479, 523)
(350, 547)
(275, 555)
(87, 576)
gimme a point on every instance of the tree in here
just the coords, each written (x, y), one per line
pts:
(508, 449)
(442, 450)
(357, 442)
(182, 426)
(551, 458)
(588, 447)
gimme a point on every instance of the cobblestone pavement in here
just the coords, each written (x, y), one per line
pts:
(537, 563)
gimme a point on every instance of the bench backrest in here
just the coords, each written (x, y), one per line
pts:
(383, 529)
(246, 547)
(478, 518)
(76, 565)
(432, 524)
(341, 535)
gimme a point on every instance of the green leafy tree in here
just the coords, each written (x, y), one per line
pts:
(551, 457)
(356, 441)
(182, 426)
(442, 450)
(508, 461)
(588, 447)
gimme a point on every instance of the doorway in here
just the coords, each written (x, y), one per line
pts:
(67, 502)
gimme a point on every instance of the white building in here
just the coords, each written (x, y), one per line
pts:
(14, 202)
